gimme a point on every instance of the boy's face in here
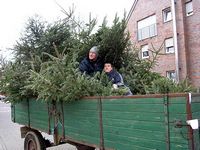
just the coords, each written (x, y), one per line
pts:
(107, 67)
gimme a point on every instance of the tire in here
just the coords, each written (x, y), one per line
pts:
(83, 147)
(34, 141)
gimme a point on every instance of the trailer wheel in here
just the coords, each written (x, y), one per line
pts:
(83, 147)
(34, 141)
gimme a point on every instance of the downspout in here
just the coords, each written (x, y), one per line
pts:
(175, 38)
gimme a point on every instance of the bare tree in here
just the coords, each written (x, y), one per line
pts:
(2, 63)
(2, 60)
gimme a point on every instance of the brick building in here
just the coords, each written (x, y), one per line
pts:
(151, 22)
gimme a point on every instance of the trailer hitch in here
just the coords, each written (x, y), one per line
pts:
(194, 124)
(179, 124)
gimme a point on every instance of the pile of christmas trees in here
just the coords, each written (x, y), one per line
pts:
(47, 57)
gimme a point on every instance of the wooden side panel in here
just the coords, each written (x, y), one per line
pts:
(178, 114)
(195, 108)
(21, 112)
(13, 112)
(139, 123)
(38, 110)
(133, 123)
(81, 119)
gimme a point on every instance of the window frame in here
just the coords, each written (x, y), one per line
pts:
(191, 12)
(167, 51)
(146, 31)
(170, 76)
(144, 50)
(165, 12)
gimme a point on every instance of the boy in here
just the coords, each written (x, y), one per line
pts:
(116, 78)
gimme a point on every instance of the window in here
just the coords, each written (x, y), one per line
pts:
(167, 15)
(145, 51)
(171, 75)
(189, 8)
(147, 28)
(169, 45)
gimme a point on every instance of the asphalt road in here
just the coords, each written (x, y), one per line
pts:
(10, 138)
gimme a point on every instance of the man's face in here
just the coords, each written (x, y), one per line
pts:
(107, 67)
(92, 56)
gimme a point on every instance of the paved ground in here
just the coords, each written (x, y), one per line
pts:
(10, 132)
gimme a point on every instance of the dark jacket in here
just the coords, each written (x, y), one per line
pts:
(91, 67)
(115, 77)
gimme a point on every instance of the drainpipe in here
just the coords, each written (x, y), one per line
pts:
(175, 38)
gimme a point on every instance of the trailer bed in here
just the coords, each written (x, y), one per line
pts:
(150, 122)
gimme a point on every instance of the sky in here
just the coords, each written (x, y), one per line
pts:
(15, 13)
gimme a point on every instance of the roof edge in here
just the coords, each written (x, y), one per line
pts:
(131, 10)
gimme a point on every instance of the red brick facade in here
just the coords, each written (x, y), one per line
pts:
(188, 36)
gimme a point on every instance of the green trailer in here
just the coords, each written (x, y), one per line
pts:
(146, 122)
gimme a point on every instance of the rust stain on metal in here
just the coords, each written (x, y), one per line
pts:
(136, 96)
(63, 123)
(28, 112)
(49, 119)
(189, 117)
(101, 125)
(166, 112)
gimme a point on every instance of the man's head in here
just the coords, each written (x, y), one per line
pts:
(108, 67)
(93, 53)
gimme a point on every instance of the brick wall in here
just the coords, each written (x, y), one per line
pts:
(188, 34)
(193, 43)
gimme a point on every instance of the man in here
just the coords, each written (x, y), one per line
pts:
(92, 63)
(116, 78)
